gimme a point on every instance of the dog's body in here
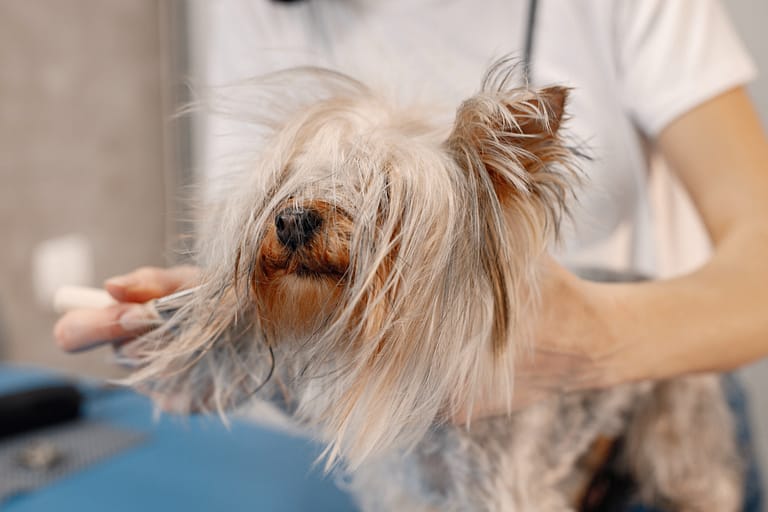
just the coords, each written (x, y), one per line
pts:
(374, 273)
(530, 462)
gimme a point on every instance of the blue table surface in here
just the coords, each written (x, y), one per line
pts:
(186, 464)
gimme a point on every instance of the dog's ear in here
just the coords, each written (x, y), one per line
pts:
(512, 137)
(507, 143)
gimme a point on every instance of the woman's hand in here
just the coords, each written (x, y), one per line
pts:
(574, 345)
(84, 329)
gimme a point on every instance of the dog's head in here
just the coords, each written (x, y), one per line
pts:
(373, 267)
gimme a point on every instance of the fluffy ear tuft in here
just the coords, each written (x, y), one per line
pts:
(546, 114)
(509, 140)
(511, 131)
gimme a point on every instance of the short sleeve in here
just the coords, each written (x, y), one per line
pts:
(675, 55)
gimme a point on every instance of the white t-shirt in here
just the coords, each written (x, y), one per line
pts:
(634, 66)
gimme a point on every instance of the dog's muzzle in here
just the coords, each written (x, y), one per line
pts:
(296, 226)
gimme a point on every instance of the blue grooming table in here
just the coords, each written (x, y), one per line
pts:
(189, 464)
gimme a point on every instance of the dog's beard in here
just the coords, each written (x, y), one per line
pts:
(408, 297)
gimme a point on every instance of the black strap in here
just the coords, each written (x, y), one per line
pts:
(529, 33)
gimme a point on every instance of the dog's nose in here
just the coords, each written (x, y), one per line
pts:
(295, 226)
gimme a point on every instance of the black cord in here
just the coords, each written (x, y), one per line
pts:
(530, 30)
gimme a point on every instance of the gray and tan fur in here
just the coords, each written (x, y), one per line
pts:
(409, 291)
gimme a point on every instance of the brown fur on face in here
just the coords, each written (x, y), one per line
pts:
(325, 256)
(295, 290)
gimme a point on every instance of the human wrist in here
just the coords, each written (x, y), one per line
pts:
(647, 332)
(620, 354)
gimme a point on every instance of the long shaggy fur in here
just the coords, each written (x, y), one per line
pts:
(409, 300)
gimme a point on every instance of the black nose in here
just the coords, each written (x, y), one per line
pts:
(295, 226)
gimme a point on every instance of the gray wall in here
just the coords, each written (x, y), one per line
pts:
(750, 17)
(81, 151)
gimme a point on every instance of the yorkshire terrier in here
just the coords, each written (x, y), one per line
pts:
(375, 270)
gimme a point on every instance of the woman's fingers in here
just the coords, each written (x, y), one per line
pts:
(83, 329)
(147, 283)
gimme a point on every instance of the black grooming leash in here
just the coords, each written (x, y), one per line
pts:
(533, 6)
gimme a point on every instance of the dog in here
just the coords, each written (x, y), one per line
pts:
(372, 267)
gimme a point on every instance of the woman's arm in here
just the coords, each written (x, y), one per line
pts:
(596, 335)
(716, 318)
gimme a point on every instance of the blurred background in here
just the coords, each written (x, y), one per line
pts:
(90, 155)
(93, 164)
